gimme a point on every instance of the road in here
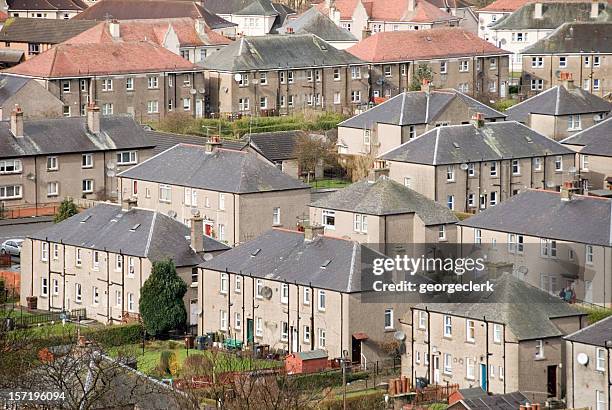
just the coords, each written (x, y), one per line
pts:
(20, 228)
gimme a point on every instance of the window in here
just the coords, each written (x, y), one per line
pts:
(587, 61)
(501, 373)
(471, 170)
(127, 158)
(493, 168)
(221, 232)
(88, 186)
(403, 69)
(477, 236)
(306, 333)
(222, 202)
(44, 251)
(322, 300)
(55, 251)
(412, 132)
(360, 223)
(222, 320)
(290, 77)
(562, 62)
(537, 164)
(78, 294)
(131, 267)
(355, 96)
(450, 173)
(87, 161)
(55, 287)
(493, 198)
(187, 104)
(573, 122)
(600, 400)
(519, 37)
(464, 66)
(223, 286)
(450, 202)
(129, 84)
(539, 354)
(107, 84)
(516, 167)
(281, 76)
(336, 74)
(284, 331)
(95, 260)
(78, 257)
(66, 86)
(417, 357)
(165, 193)
(263, 78)
(243, 80)
(470, 331)
(237, 320)
(263, 102)
(118, 263)
(306, 296)
(33, 48)
(52, 189)
(584, 162)
(321, 338)
(258, 288)
(492, 371)
(497, 333)
(422, 319)
(596, 84)
(309, 76)
(442, 233)
(589, 254)
(52, 164)
(388, 318)
(448, 326)
(107, 109)
(329, 219)
(469, 368)
(387, 70)
(471, 200)
(558, 163)
(152, 107)
(355, 72)
(537, 62)
(492, 63)
(152, 82)
(548, 248)
(290, 100)
(259, 327)
(600, 360)
(448, 363)
(187, 81)
(95, 296)
(284, 293)
(443, 67)
(66, 111)
(537, 84)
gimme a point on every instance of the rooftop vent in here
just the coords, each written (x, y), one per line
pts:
(255, 252)
(87, 217)
(456, 145)
(325, 263)
(134, 228)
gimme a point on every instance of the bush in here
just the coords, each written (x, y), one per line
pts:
(373, 400)
(327, 379)
(438, 406)
(116, 335)
(597, 314)
(196, 365)
(503, 105)
(66, 209)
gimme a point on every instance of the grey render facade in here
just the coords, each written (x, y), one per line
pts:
(406, 116)
(284, 74)
(33, 98)
(238, 194)
(553, 240)
(44, 161)
(472, 167)
(560, 111)
(593, 155)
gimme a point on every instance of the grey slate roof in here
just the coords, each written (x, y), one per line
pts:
(416, 107)
(285, 256)
(386, 197)
(10, 85)
(46, 31)
(312, 354)
(456, 144)
(559, 100)
(508, 401)
(553, 15)
(542, 214)
(596, 140)
(278, 52)
(596, 334)
(257, 8)
(10, 56)
(70, 135)
(315, 22)
(108, 227)
(275, 146)
(575, 38)
(165, 140)
(528, 318)
(223, 170)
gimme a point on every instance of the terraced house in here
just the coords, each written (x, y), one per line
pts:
(284, 74)
(582, 50)
(446, 57)
(475, 166)
(252, 17)
(48, 9)
(238, 194)
(45, 160)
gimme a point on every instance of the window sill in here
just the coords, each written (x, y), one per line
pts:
(389, 329)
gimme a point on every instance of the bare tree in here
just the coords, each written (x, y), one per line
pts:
(311, 151)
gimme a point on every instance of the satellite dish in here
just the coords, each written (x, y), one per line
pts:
(110, 165)
(31, 176)
(110, 173)
(193, 91)
(399, 335)
(582, 358)
(266, 292)
(237, 77)
(172, 214)
(503, 41)
(380, 81)
(550, 184)
(195, 212)
(464, 166)
(207, 257)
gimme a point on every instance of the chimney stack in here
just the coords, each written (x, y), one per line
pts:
(93, 118)
(17, 121)
(312, 231)
(567, 80)
(478, 120)
(537, 10)
(365, 33)
(114, 29)
(380, 169)
(128, 203)
(426, 86)
(567, 191)
(213, 143)
(197, 232)
(199, 26)
(411, 5)
(594, 9)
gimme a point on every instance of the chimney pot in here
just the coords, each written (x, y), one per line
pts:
(478, 119)
(567, 80)
(114, 29)
(93, 118)
(365, 33)
(312, 231)
(213, 143)
(567, 191)
(129, 203)
(426, 86)
(197, 232)
(537, 11)
(17, 121)
(411, 5)
(379, 170)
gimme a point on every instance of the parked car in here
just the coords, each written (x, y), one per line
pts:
(11, 246)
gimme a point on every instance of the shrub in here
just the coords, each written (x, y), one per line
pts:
(373, 400)
(327, 379)
(66, 209)
(163, 366)
(115, 335)
(597, 314)
(438, 406)
(196, 365)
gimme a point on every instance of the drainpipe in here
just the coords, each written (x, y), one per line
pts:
(229, 305)
(253, 308)
(412, 366)
(108, 313)
(574, 375)
(49, 293)
(297, 310)
(242, 290)
(504, 353)
(289, 336)
(429, 358)
(312, 320)
(63, 275)
(342, 327)
(484, 318)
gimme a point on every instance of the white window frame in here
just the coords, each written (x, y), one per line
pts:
(600, 360)
(497, 333)
(539, 355)
(470, 331)
(44, 286)
(448, 326)
(389, 319)
(321, 300)
(284, 293)
(306, 296)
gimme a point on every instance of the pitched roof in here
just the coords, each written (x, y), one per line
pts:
(11, 56)
(504, 6)
(416, 107)
(276, 52)
(282, 255)
(70, 134)
(507, 401)
(222, 170)
(315, 22)
(528, 311)
(48, 31)
(398, 10)
(151, 9)
(71, 60)
(596, 334)
(312, 354)
(165, 140)
(553, 15)
(559, 100)
(275, 146)
(9, 86)
(345, 7)
(542, 214)
(424, 44)
(137, 232)
(493, 141)
(257, 8)
(596, 140)
(386, 197)
(46, 5)
(575, 38)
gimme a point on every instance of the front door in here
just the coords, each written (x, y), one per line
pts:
(356, 350)
(551, 381)
(199, 107)
(193, 312)
(294, 339)
(249, 330)
(502, 89)
(483, 376)
(436, 369)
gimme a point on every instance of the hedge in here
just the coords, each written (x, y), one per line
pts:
(374, 400)
(327, 379)
(117, 335)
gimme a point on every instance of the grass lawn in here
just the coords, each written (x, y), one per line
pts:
(329, 183)
(6, 313)
(147, 362)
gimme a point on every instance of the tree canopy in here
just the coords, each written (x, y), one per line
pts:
(67, 209)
